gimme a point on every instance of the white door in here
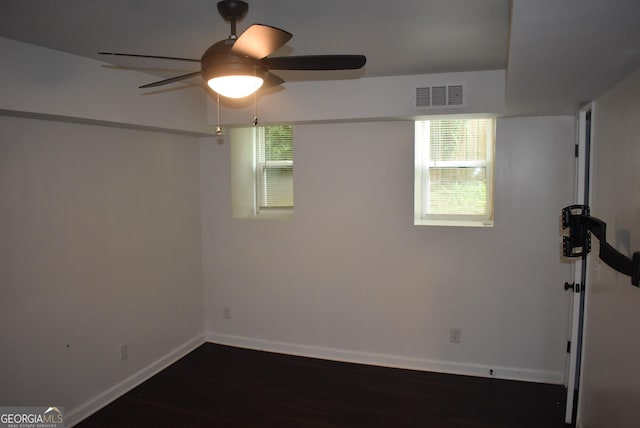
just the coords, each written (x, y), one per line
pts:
(578, 306)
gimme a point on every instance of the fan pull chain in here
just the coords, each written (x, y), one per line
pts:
(218, 128)
(255, 109)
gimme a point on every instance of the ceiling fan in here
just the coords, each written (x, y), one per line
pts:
(239, 65)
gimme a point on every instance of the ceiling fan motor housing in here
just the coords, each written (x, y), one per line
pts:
(219, 60)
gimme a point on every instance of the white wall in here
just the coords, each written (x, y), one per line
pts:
(99, 246)
(350, 277)
(610, 390)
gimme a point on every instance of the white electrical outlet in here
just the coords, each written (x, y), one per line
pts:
(124, 352)
(226, 312)
(455, 335)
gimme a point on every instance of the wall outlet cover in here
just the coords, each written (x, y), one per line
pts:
(455, 335)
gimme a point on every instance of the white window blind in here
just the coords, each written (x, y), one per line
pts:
(454, 172)
(274, 168)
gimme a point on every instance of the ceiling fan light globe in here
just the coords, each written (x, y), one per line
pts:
(236, 86)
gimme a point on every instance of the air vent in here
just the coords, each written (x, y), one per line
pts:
(423, 97)
(454, 95)
(439, 96)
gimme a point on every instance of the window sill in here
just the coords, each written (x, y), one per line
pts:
(275, 215)
(454, 223)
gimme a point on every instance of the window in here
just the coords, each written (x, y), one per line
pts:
(274, 168)
(262, 171)
(454, 172)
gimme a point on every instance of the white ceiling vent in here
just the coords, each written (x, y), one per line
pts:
(440, 96)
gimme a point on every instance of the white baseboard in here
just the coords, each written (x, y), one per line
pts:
(85, 410)
(385, 360)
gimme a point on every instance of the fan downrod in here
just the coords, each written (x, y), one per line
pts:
(232, 11)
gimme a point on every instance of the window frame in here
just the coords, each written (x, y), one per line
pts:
(422, 177)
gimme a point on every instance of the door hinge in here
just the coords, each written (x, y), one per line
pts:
(568, 346)
(575, 287)
(576, 151)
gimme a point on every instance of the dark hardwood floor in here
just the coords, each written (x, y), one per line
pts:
(222, 386)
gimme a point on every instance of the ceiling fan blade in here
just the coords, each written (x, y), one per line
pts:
(259, 41)
(149, 56)
(316, 62)
(272, 80)
(170, 80)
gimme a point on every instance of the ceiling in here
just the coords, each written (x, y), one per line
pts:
(557, 54)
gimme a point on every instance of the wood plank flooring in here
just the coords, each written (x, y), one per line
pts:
(222, 386)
